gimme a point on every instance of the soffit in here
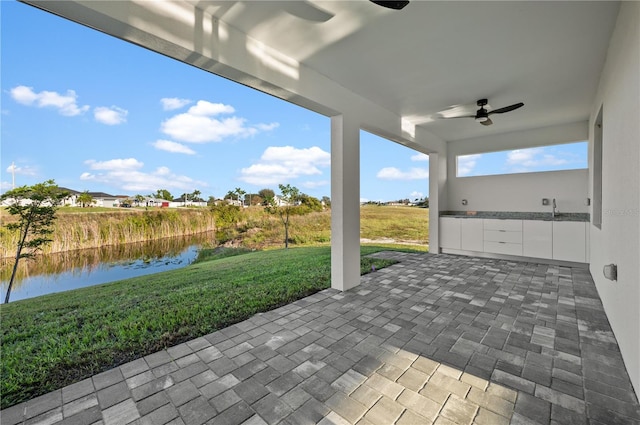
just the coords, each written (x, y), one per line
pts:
(434, 55)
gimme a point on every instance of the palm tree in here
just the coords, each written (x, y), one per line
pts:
(85, 200)
(240, 193)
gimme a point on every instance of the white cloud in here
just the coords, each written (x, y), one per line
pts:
(126, 174)
(267, 127)
(466, 164)
(205, 108)
(5, 186)
(171, 103)
(128, 164)
(281, 164)
(420, 157)
(110, 116)
(533, 157)
(416, 195)
(65, 104)
(169, 146)
(314, 185)
(392, 173)
(25, 170)
(198, 124)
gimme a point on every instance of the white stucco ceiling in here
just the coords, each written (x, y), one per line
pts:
(426, 58)
(434, 55)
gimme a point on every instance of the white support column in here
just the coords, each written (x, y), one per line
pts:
(437, 197)
(345, 203)
(438, 152)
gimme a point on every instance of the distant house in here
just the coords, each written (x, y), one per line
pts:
(105, 200)
(181, 202)
(101, 199)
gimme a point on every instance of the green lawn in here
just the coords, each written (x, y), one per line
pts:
(54, 340)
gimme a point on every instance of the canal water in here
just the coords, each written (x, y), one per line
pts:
(77, 269)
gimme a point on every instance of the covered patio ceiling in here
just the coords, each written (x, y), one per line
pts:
(412, 63)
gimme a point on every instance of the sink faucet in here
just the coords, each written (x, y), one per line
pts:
(555, 209)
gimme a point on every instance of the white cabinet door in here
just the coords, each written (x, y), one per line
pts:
(537, 239)
(450, 236)
(570, 241)
(472, 234)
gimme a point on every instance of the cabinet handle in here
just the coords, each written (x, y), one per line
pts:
(501, 230)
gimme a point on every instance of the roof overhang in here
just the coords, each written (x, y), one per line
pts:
(391, 70)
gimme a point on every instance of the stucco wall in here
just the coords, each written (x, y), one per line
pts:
(618, 241)
(520, 192)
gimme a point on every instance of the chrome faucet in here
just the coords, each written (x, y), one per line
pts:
(555, 209)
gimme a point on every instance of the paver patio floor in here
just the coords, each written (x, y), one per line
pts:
(434, 339)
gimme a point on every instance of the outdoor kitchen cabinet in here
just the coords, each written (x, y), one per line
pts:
(472, 234)
(503, 236)
(537, 239)
(569, 241)
(450, 237)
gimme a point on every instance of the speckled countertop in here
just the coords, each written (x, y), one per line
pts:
(513, 215)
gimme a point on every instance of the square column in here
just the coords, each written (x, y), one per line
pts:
(437, 197)
(345, 203)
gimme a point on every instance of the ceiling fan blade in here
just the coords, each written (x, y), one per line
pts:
(487, 122)
(507, 108)
(395, 5)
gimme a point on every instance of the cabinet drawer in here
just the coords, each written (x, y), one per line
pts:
(502, 236)
(509, 225)
(503, 248)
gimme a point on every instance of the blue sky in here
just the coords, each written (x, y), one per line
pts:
(97, 113)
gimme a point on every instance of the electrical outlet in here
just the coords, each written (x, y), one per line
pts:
(545, 201)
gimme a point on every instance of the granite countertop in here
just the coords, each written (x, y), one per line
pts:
(513, 215)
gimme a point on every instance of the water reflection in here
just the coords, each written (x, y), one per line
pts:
(76, 269)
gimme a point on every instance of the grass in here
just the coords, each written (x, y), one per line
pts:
(93, 229)
(54, 340)
(402, 224)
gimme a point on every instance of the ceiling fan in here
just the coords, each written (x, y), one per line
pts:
(482, 114)
(396, 5)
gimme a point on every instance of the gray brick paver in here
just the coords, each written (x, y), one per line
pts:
(78, 405)
(152, 403)
(77, 390)
(197, 411)
(160, 416)
(121, 413)
(114, 394)
(272, 409)
(501, 340)
(47, 418)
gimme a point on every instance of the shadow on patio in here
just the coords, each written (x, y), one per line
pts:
(434, 339)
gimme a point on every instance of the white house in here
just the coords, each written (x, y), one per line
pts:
(575, 66)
